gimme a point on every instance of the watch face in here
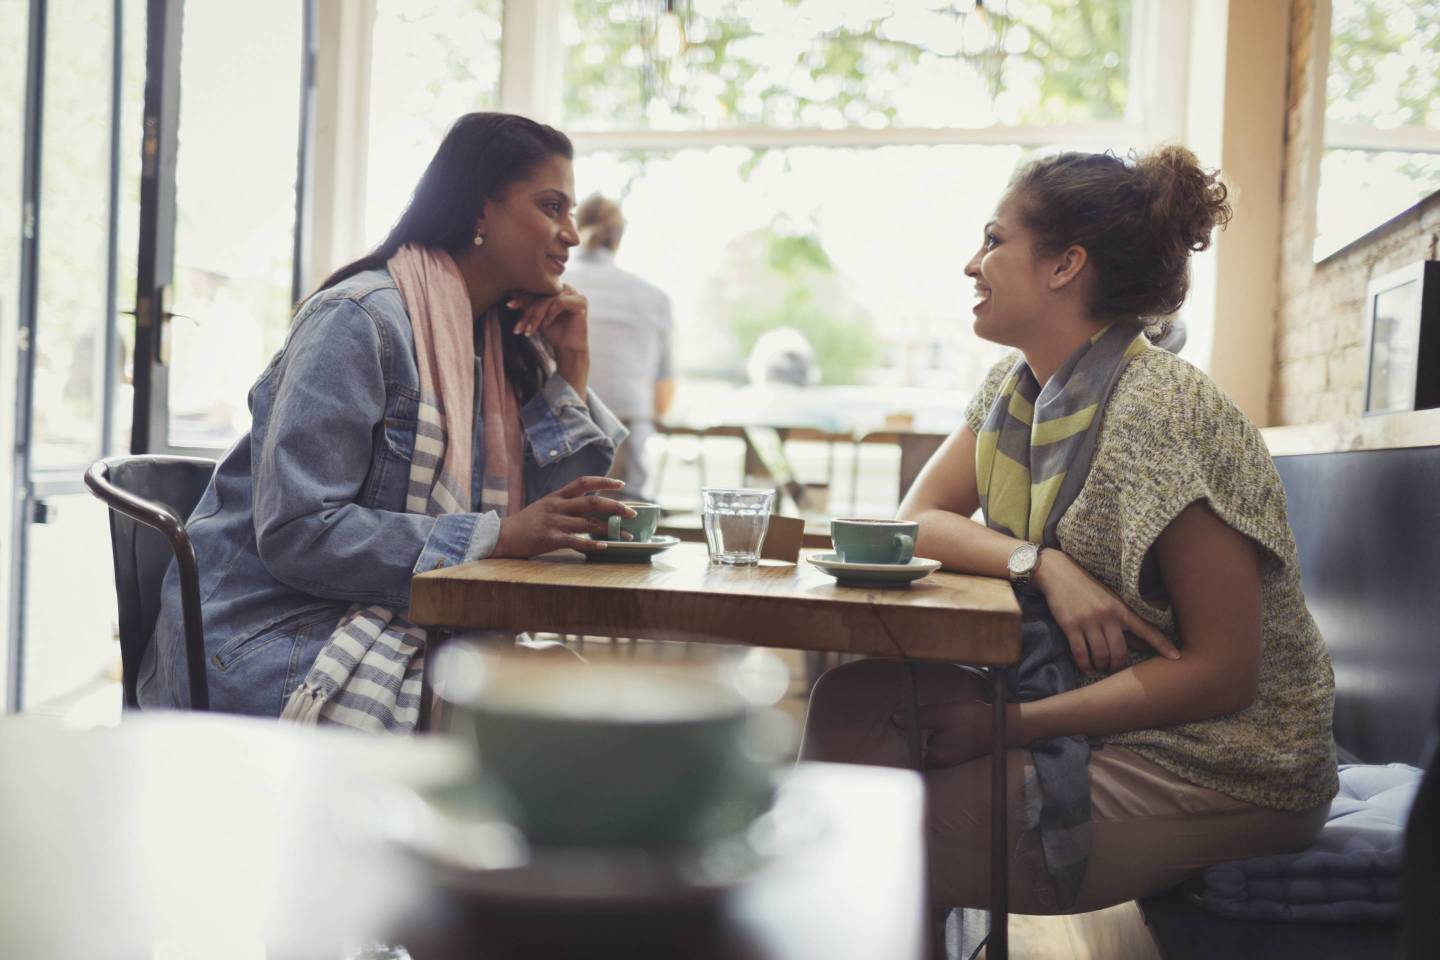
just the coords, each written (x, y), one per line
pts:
(1023, 559)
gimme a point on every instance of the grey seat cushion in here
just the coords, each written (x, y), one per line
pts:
(1351, 874)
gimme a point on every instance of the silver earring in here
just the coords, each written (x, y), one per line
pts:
(479, 239)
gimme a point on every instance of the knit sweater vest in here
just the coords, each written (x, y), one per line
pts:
(1170, 438)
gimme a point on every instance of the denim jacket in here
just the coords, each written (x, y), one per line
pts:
(305, 514)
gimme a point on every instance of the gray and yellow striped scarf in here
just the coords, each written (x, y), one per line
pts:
(1032, 457)
(1034, 449)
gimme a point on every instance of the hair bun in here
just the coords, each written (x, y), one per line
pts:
(1139, 219)
(1184, 201)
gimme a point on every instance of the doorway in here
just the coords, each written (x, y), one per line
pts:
(208, 225)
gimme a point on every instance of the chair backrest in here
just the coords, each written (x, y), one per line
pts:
(1367, 524)
(142, 554)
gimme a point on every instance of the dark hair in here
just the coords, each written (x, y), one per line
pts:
(1138, 218)
(481, 155)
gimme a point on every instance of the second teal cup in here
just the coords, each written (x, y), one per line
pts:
(874, 541)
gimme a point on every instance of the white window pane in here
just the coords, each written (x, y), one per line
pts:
(74, 235)
(1363, 189)
(844, 63)
(235, 210)
(1384, 63)
(1384, 74)
(433, 60)
(861, 250)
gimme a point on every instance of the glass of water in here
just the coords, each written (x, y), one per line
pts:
(735, 523)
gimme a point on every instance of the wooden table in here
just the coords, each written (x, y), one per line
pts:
(210, 836)
(680, 596)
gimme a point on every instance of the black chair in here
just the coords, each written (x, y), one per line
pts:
(149, 498)
(1420, 906)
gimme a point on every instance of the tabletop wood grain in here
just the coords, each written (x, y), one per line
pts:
(679, 595)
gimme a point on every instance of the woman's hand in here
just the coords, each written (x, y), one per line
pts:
(561, 318)
(1093, 618)
(952, 732)
(561, 520)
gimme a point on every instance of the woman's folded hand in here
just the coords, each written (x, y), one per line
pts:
(1094, 619)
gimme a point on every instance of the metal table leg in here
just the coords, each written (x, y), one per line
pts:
(910, 699)
(910, 703)
(998, 944)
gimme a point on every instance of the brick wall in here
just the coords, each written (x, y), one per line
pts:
(1320, 324)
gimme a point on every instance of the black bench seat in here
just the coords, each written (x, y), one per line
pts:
(1367, 524)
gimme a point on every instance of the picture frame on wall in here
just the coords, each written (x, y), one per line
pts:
(1402, 352)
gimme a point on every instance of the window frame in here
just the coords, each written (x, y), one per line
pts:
(1344, 136)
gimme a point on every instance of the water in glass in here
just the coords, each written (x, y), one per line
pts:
(735, 524)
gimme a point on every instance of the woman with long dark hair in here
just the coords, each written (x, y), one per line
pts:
(429, 407)
(1172, 705)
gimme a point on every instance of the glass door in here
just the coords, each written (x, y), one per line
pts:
(221, 228)
(81, 92)
(149, 284)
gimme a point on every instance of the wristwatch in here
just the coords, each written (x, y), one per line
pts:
(1023, 563)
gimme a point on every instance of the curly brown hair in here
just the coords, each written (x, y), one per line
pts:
(1139, 218)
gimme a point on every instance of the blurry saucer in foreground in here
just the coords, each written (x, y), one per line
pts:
(474, 855)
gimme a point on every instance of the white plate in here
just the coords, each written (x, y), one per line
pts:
(628, 550)
(874, 574)
(474, 854)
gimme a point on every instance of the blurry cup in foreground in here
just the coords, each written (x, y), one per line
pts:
(874, 541)
(594, 756)
(735, 523)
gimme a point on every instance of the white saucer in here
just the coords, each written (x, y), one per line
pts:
(623, 551)
(472, 852)
(875, 574)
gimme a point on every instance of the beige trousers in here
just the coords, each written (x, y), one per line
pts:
(1149, 828)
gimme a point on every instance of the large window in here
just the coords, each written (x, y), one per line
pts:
(71, 311)
(1382, 116)
(857, 248)
(826, 165)
(77, 360)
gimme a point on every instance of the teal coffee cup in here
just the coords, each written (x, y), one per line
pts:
(641, 527)
(874, 541)
(594, 756)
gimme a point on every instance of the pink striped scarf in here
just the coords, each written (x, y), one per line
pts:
(440, 314)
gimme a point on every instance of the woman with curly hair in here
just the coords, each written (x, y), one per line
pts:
(1172, 705)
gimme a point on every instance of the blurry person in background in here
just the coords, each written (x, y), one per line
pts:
(782, 356)
(783, 373)
(630, 336)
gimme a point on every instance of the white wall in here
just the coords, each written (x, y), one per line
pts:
(1236, 121)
